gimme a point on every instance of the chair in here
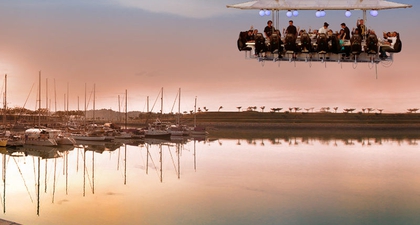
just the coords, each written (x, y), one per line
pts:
(322, 45)
(275, 44)
(306, 44)
(290, 45)
(242, 42)
(372, 44)
(260, 46)
(356, 45)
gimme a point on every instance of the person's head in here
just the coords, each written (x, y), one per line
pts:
(290, 22)
(269, 22)
(326, 25)
(256, 31)
(361, 21)
(394, 34)
(343, 25)
(342, 31)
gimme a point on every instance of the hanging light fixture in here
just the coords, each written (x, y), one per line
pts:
(289, 14)
(267, 12)
(322, 13)
(295, 13)
(262, 13)
(318, 14)
(373, 12)
(348, 13)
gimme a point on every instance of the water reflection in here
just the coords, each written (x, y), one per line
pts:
(283, 179)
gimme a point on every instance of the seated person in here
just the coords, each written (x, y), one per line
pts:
(305, 42)
(372, 43)
(242, 41)
(275, 43)
(260, 46)
(394, 45)
(250, 36)
(290, 43)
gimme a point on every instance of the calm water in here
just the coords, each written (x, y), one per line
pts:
(285, 180)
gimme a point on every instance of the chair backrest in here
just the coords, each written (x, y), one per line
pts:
(260, 43)
(305, 42)
(322, 42)
(335, 44)
(242, 40)
(372, 43)
(274, 42)
(290, 42)
(398, 46)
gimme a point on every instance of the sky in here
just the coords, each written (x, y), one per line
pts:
(143, 46)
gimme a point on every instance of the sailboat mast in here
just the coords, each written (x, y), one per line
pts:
(39, 99)
(55, 97)
(94, 97)
(179, 106)
(67, 109)
(46, 93)
(5, 100)
(195, 111)
(161, 102)
(126, 116)
(119, 109)
(84, 122)
(147, 104)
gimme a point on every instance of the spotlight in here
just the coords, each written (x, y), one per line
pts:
(262, 13)
(289, 14)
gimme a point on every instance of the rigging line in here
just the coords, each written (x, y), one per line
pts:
(157, 97)
(173, 162)
(24, 182)
(151, 159)
(174, 102)
(88, 177)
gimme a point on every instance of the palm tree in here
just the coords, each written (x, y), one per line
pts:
(335, 109)
(220, 108)
(262, 108)
(380, 111)
(239, 108)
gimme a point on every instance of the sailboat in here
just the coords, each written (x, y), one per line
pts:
(158, 129)
(198, 131)
(177, 129)
(38, 136)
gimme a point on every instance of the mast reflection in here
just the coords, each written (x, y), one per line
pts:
(29, 170)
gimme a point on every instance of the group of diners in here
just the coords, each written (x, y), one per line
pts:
(322, 41)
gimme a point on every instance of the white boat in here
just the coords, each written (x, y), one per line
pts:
(157, 129)
(38, 136)
(176, 130)
(87, 137)
(63, 140)
(198, 131)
